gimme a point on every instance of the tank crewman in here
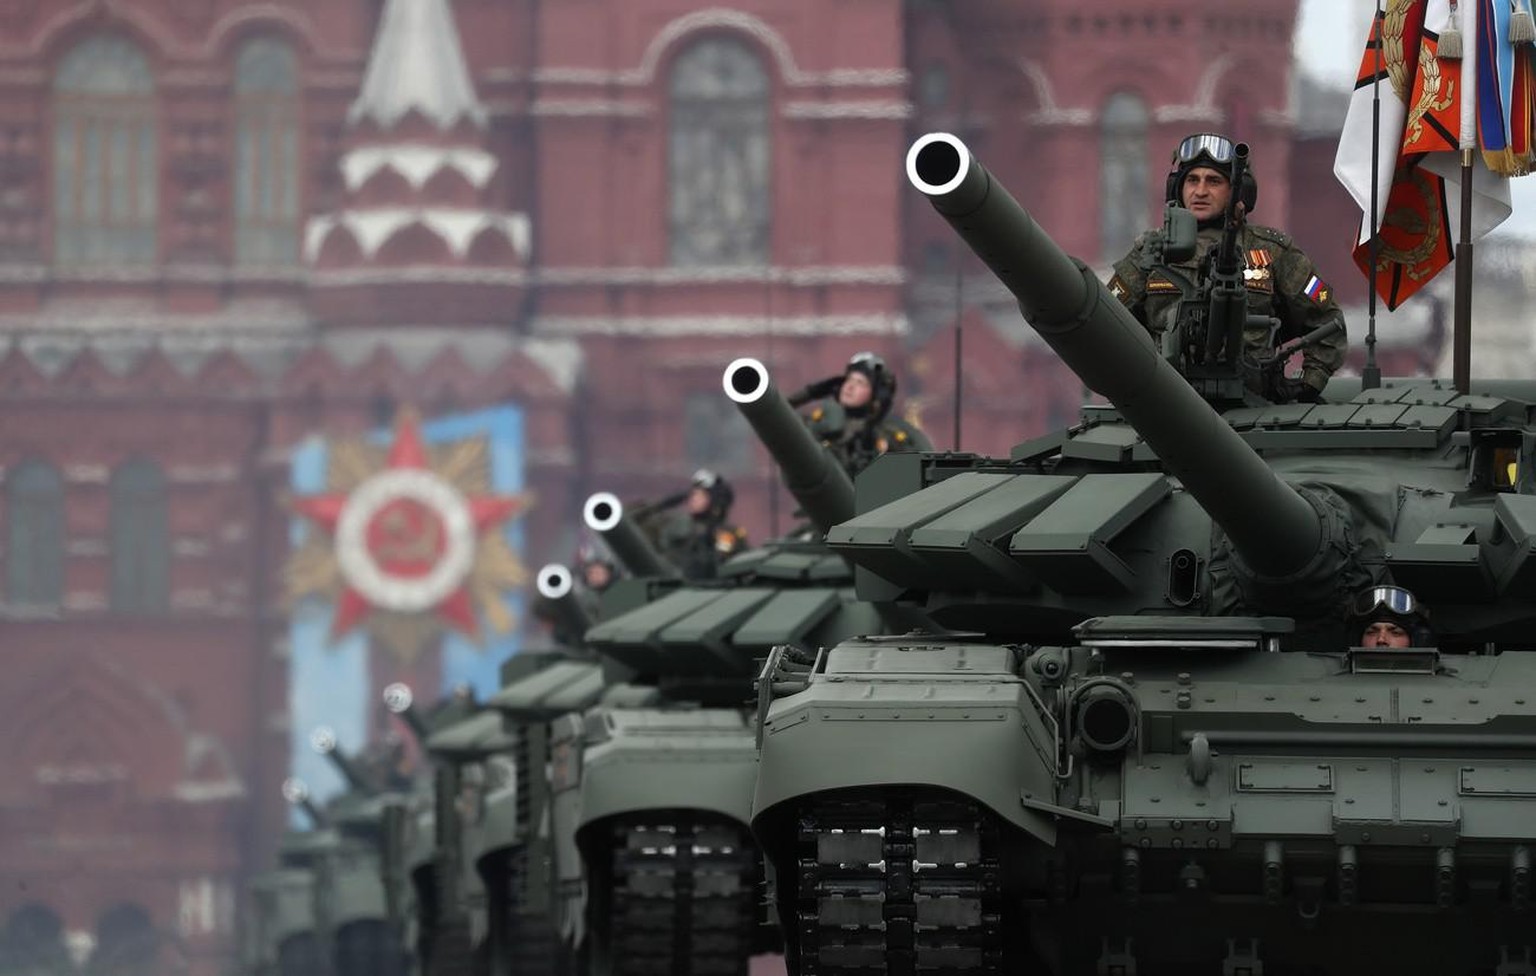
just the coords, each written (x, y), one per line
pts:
(1281, 280)
(699, 538)
(596, 572)
(855, 421)
(1389, 616)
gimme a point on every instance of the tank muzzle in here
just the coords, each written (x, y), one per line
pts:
(323, 740)
(602, 511)
(294, 791)
(398, 697)
(938, 163)
(554, 581)
(746, 380)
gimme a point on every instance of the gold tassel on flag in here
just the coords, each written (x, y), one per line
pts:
(1450, 38)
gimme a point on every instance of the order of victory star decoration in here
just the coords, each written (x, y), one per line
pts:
(410, 541)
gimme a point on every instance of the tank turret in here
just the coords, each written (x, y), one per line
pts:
(811, 474)
(604, 514)
(1278, 532)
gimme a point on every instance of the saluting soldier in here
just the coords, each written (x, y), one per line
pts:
(855, 420)
(698, 539)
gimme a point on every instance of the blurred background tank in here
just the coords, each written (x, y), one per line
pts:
(1152, 741)
(655, 868)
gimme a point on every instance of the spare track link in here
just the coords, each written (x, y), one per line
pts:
(684, 898)
(899, 885)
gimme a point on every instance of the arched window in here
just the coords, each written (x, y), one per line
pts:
(33, 942)
(718, 165)
(34, 528)
(126, 944)
(105, 163)
(140, 539)
(1122, 174)
(266, 153)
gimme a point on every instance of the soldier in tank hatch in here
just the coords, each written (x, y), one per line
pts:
(855, 420)
(699, 538)
(1280, 279)
(1389, 616)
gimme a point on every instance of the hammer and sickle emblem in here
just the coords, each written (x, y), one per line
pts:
(408, 535)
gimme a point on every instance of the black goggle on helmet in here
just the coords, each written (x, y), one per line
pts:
(1392, 599)
(1394, 604)
(1216, 151)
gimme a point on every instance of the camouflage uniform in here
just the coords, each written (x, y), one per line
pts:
(1281, 280)
(856, 443)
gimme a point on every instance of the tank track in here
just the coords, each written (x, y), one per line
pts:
(683, 898)
(453, 951)
(534, 947)
(898, 885)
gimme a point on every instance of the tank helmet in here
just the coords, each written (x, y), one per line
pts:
(589, 554)
(881, 380)
(1215, 151)
(1392, 604)
(721, 495)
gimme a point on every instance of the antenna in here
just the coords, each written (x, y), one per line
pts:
(773, 468)
(959, 334)
(1370, 377)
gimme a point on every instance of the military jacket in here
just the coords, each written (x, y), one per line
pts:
(1281, 281)
(856, 443)
(697, 547)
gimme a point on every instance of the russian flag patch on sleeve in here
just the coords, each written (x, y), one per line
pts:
(1316, 290)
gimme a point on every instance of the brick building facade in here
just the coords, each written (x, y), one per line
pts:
(226, 226)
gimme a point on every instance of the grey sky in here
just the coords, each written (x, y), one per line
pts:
(1330, 36)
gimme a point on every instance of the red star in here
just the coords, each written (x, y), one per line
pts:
(404, 535)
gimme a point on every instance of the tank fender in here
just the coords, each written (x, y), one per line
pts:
(950, 716)
(657, 759)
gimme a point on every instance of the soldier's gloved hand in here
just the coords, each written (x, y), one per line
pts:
(1294, 389)
(819, 390)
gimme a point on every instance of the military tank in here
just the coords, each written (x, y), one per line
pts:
(656, 869)
(323, 909)
(1149, 744)
(424, 877)
(285, 932)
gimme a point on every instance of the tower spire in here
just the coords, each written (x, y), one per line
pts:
(417, 64)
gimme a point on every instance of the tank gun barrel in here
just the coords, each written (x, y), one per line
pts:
(323, 740)
(604, 514)
(811, 474)
(556, 585)
(297, 794)
(399, 700)
(1275, 530)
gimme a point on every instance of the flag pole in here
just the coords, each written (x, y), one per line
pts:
(1370, 377)
(1461, 335)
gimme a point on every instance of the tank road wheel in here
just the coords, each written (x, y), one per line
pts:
(901, 885)
(681, 900)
